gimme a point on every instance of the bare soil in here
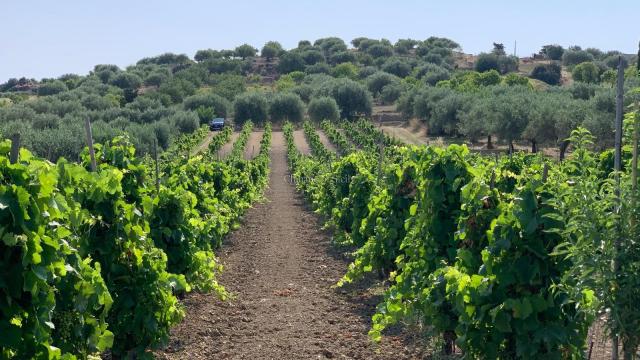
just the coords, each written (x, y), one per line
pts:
(226, 148)
(204, 144)
(326, 142)
(301, 142)
(280, 268)
(253, 145)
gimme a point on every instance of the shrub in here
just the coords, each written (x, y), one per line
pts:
(347, 70)
(486, 62)
(323, 108)
(549, 73)
(514, 80)
(586, 72)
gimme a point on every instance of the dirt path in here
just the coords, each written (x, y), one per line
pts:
(280, 267)
(204, 144)
(301, 142)
(226, 148)
(253, 145)
(325, 140)
(404, 135)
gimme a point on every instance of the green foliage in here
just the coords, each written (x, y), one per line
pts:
(486, 62)
(220, 105)
(586, 72)
(52, 87)
(245, 51)
(323, 108)
(286, 106)
(241, 142)
(379, 80)
(397, 67)
(290, 62)
(573, 57)
(186, 121)
(352, 98)
(271, 49)
(336, 137)
(251, 106)
(345, 70)
(549, 73)
(515, 80)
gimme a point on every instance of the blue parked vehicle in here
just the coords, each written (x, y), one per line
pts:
(216, 124)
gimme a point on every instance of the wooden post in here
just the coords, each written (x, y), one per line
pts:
(617, 167)
(545, 172)
(155, 159)
(15, 148)
(634, 161)
(92, 153)
(380, 159)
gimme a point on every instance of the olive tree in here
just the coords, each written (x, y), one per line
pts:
(268, 52)
(486, 62)
(245, 50)
(586, 72)
(380, 79)
(251, 106)
(216, 102)
(290, 62)
(431, 74)
(397, 67)
(512, 113)
(352, 98)
(186, 121)
(323, 108)
(553, 51)
(403, 46)
(286, 106)
(52, 88)
(574, 57)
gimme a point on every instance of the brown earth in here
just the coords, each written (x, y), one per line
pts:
(253, 145)
(226, 148)
(301, 142)
(204, 144)
(280, 268)
(326, 142)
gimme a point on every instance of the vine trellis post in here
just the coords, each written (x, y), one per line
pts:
(92, 152)
(618, 167)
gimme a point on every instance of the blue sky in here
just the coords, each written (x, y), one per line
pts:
(44, 38)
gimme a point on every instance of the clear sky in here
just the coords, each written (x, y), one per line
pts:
(45, 38)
